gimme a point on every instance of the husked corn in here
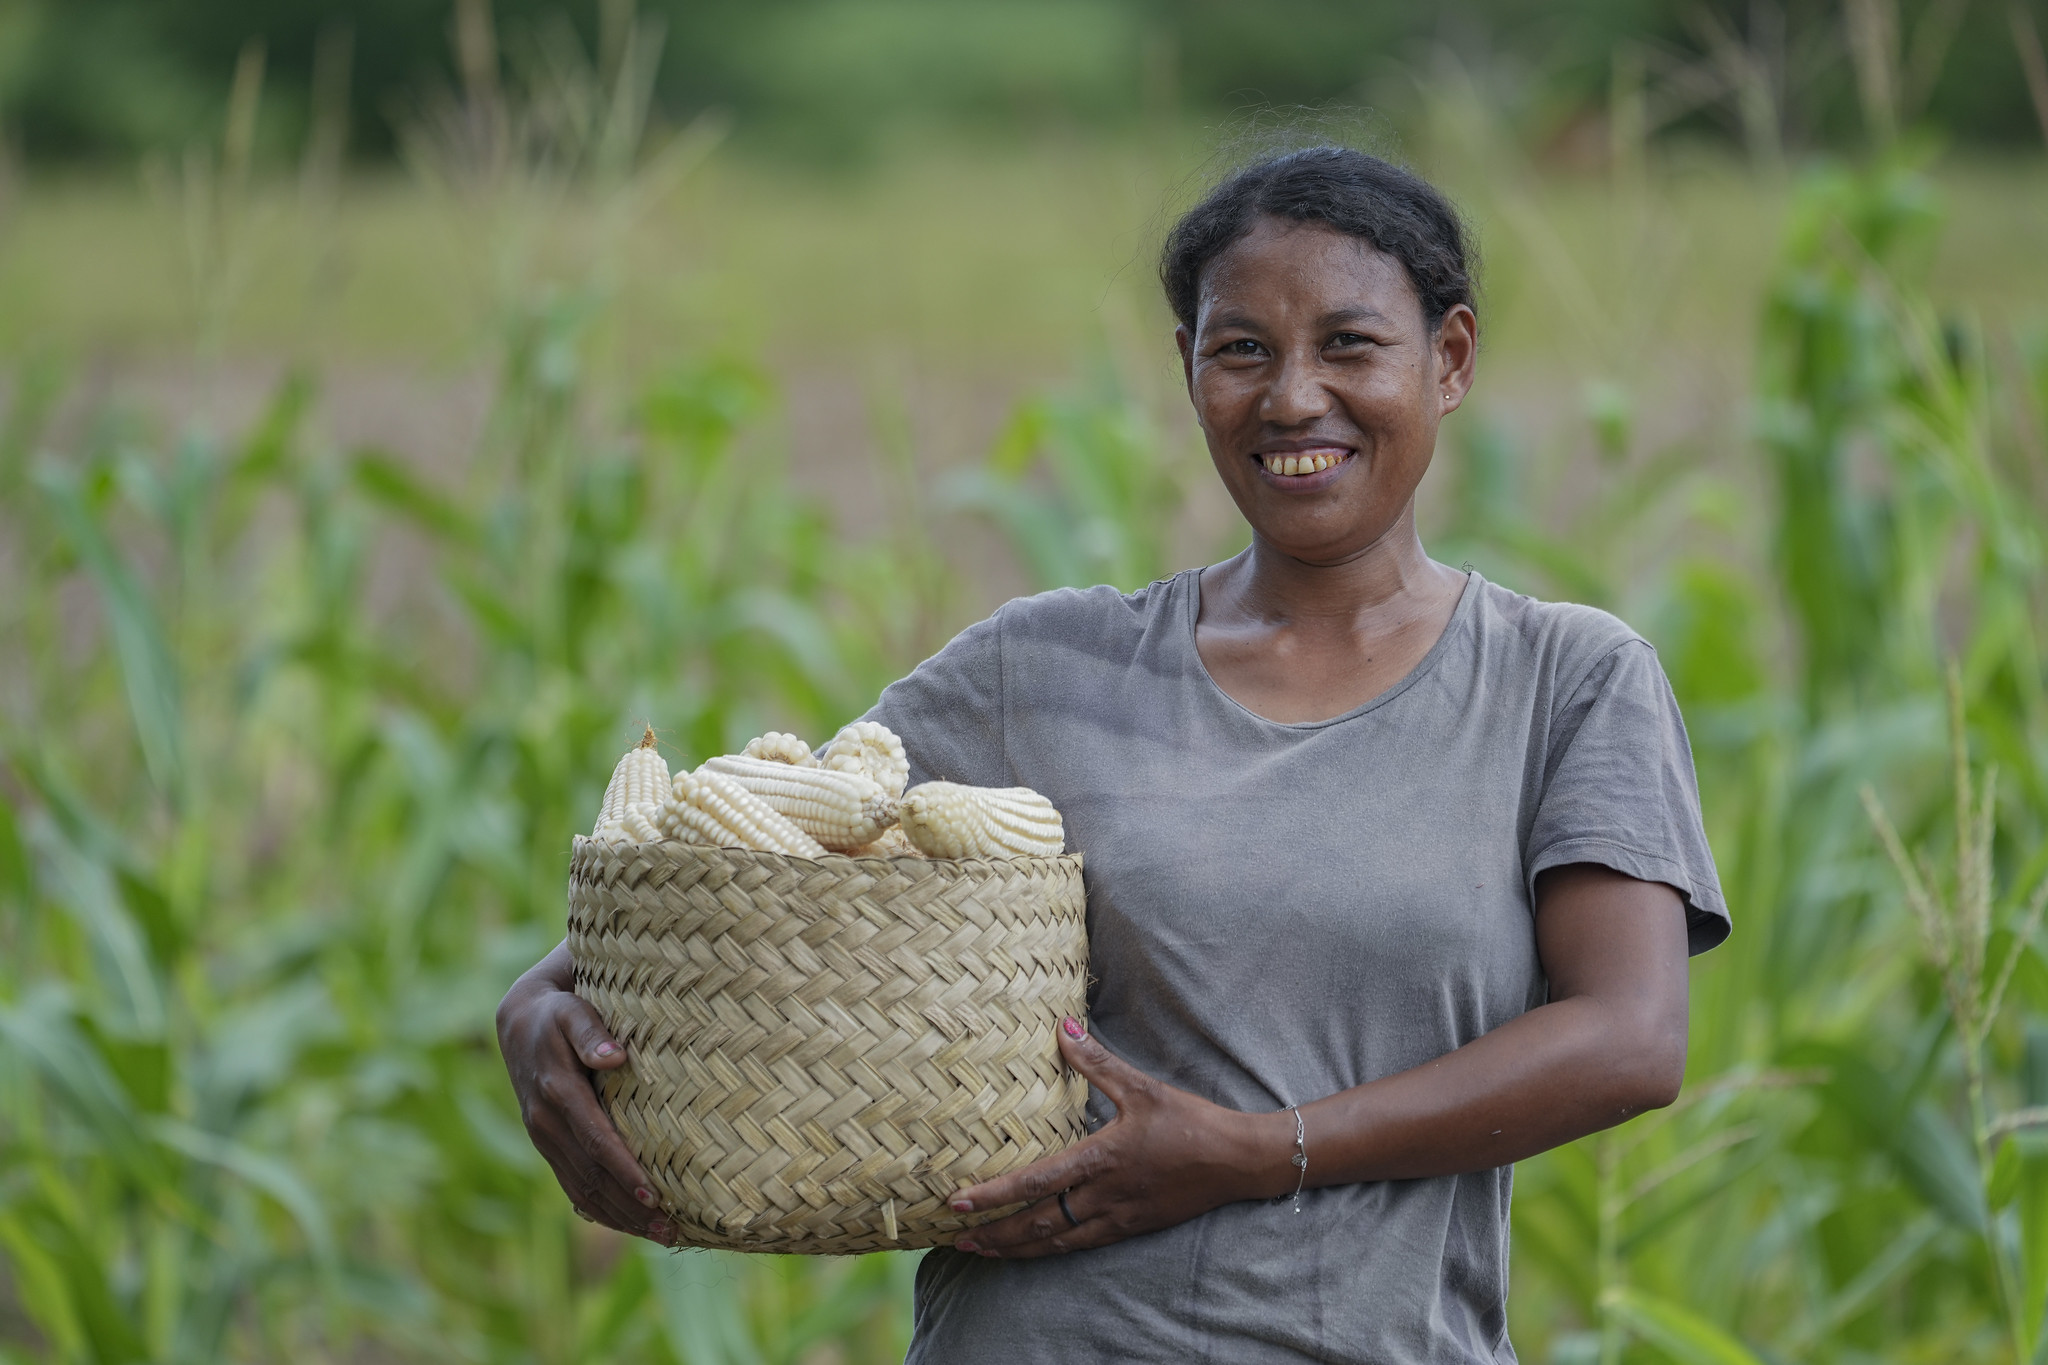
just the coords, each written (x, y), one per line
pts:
(894, 843)
(638, 823)
(641, 777)
(948, 820)
(780, 747)
(710, 808)
(870, 747)
(841, 810)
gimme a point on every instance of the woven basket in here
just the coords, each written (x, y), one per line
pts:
(820, 1051)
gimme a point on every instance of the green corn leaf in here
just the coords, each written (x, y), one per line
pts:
(147, 668)
(1923, 1144)
(2031, 1198)
(77, 1270)
(1677, 1331)
(87, 891)
(703, 1305)
(266, 1173)
(391, 483)
(40, 1287)
(39, 1029)
(16, 878)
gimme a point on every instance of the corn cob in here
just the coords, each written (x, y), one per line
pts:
(948, 820)
(780, 747)
(640, 777)
(868, 746)
(638, 823)
(894, 843)
(711, 808)
(841, 810)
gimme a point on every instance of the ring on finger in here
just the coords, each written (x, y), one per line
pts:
(1071, 1219)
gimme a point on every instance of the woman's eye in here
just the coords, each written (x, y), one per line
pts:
(1241, 346)
(1344, 341)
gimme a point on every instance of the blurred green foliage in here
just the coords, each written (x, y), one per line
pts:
(97, 76)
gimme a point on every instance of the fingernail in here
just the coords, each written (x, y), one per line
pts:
(964, 1245)
(658, 1230)
(584, 1216)
(607, 1049)
(1074, 1029)
(644, 1195)
(963, 1206)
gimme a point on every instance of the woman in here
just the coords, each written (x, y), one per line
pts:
(1392, 873)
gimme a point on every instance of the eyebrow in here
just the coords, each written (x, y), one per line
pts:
(1335, 318)
(1340, 316)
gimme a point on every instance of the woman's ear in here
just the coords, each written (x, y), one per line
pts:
(1457, 355)
(1185, 339)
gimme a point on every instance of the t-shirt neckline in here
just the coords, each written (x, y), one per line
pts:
(1192, 612)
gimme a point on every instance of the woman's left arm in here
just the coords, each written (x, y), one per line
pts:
(1609, 1044)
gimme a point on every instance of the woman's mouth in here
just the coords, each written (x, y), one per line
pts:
(1295, 464)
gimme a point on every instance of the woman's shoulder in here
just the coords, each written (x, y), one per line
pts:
(1563, 640)
(1065, 613)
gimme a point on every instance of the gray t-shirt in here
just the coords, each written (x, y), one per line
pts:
(1278, 912)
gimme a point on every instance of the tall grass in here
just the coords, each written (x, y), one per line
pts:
(294, 738)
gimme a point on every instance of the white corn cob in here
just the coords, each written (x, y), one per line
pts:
(780, 747)
(711, 808)
(641, 777)
(948, 820)
(840, 810)
(638, 823)
(868, 746)
(894, 843)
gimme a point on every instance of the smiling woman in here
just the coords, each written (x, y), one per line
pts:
(1392, 874)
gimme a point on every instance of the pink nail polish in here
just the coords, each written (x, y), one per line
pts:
(607, 1049)
(963, 1206)
(1074, 1029)
(964, 1245)
(644, 1195)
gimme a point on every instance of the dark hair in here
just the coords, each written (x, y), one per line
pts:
(1396, 210)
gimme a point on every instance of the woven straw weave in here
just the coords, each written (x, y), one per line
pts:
(820, 1051)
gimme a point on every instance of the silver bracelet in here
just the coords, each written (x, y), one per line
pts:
(1300, 1157)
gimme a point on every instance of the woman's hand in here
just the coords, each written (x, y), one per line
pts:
(1166, 1157)
(552, 1040)
(1609, 1044)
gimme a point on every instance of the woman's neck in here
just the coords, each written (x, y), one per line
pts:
(1393, 577)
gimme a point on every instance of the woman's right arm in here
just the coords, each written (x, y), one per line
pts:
(552, 1040)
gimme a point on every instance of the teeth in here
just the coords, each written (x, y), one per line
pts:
(1299, 464)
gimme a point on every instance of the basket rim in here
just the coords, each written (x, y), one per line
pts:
(582, 841)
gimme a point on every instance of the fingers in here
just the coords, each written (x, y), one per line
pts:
(588, 1038)
(592, 1191)
(1044, 1177)
(579, 1123)
(1042, 1230)
(552, 1040)
(591, 1128)
(1106, 1071)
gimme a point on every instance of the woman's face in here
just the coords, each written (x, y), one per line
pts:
(1310, 354)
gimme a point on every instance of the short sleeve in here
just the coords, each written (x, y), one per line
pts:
(1619, 790)
(949, 711)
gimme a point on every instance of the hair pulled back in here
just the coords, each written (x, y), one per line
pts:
(1394, 209)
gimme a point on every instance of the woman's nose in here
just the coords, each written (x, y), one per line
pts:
(1295, 397)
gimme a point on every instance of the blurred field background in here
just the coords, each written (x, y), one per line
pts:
(400, 402)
